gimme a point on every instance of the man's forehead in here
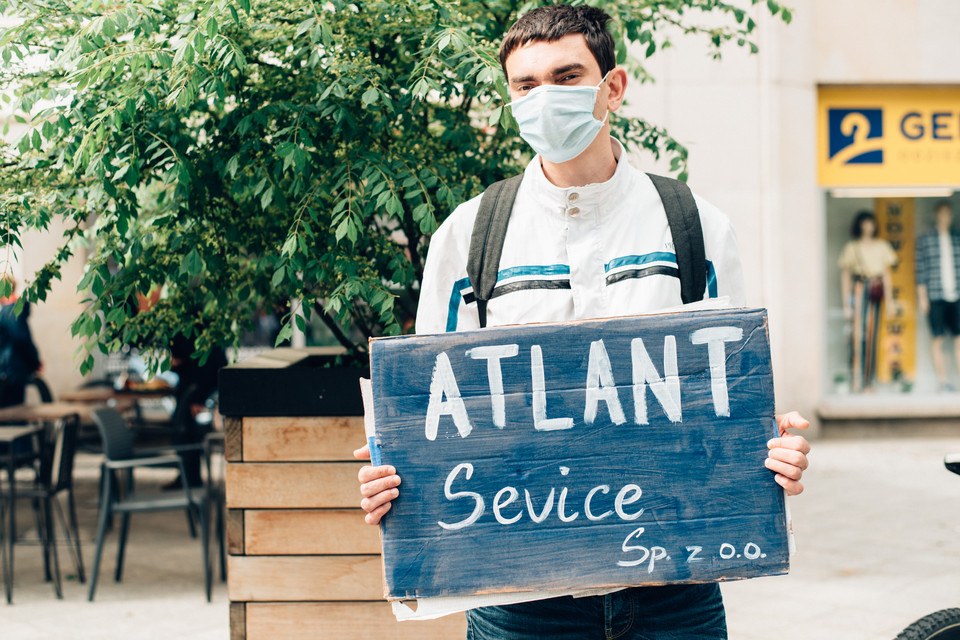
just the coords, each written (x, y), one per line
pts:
(545, 58)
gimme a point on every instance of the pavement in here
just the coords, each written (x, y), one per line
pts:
(877, 535)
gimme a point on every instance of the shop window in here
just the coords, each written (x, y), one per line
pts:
(881, 342)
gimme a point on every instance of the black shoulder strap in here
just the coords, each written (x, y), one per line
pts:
(496, 204)
(684, 220)
(486, 243)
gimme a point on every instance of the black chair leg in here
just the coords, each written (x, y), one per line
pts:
(51, 541)
(72, 530)
(122, 545)
(103, 519)
(207, 568)
(8, 587)
(191, 524)
(42, 535)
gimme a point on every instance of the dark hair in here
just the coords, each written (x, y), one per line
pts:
(555, 21)
(857, 229)
(942, 204)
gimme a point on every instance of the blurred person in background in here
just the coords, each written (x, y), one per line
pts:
(18, 355)
(197, 383)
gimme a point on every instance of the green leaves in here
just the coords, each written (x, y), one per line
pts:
(236, 157)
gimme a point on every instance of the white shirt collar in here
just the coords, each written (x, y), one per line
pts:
(588, 197)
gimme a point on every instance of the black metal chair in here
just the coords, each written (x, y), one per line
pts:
(213, 445)
(43, 390)
(122, 497)
(55, 477)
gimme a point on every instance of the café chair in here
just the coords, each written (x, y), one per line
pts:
(38, 383)
(120, 495)
(55, 477)
(213, 445)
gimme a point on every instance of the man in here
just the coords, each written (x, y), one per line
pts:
(938, 275)
(588, 238)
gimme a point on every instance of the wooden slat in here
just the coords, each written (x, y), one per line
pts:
(344, 621)
(304, 578)
(233, 438)
(301, 439)
(238, 621)
(292, 485)
(308, 532)
(234, 523)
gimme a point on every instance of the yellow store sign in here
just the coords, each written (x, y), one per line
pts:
(896, 357)
(888, 136)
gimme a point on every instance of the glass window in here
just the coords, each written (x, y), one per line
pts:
(879, 339)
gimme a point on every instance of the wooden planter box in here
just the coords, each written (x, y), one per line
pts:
(302, 563)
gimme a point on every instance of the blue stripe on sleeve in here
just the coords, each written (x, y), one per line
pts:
(711, 280)
(453, 309)
(662, 256)
(624, 261)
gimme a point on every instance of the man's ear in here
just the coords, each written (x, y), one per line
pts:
(617, 84)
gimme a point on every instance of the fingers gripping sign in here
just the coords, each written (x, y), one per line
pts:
(378, 486)
(787, 454)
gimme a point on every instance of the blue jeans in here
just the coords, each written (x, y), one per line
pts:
(673, 612)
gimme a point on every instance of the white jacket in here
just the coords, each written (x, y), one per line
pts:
(597, 251)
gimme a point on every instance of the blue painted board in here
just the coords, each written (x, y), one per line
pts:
(599, 453)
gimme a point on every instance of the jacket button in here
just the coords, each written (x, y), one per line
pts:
(573, 197)
(573, 211)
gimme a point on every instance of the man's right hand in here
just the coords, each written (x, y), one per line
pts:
(378, 486)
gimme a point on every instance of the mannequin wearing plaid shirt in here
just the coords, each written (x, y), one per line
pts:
(938, 279)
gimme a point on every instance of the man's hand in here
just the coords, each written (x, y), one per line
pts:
(378, 486)
(787, 455)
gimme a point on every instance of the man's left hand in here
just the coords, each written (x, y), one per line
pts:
(787, 455)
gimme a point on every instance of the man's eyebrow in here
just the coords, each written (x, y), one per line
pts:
(567, 68)
(558, 71)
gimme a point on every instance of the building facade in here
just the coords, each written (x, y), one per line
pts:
(769, 145)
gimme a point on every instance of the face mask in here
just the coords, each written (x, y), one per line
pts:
(557, 121)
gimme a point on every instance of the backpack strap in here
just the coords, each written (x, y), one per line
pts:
(684, 220)
(486, 243)
(496, 204)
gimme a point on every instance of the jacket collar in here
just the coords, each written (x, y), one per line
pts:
(590, 197)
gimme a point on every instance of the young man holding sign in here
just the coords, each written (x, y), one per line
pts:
(588, 238)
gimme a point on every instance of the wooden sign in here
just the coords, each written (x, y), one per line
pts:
(568, 456)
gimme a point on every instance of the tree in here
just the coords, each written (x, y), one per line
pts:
(243, 154)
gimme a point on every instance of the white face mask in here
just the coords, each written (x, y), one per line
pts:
(557, 120)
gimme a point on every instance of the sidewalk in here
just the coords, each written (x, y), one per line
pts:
(878, 545)
(877, 533)
(161, 595)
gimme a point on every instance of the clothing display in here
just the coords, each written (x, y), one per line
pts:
(930, 267)
(867, 260)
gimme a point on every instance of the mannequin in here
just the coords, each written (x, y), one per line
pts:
(938, 288)
(865, 282)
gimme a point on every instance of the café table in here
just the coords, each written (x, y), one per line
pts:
(51, 412)
(10, 437)
(107, 395)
